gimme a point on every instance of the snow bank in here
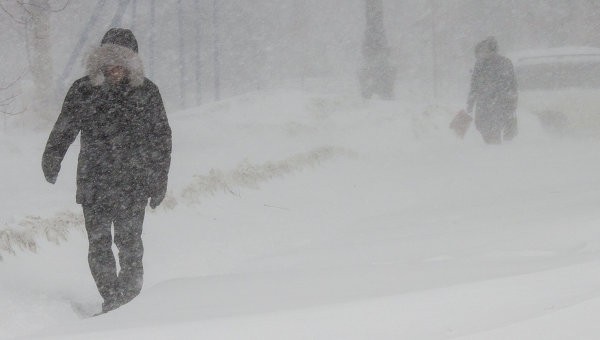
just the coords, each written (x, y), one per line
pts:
(294, 215)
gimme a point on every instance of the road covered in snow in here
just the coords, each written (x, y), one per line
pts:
(293, 215)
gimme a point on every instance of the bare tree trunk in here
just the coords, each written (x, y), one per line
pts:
(181, 54)
(134, 19)
(434, 49)
(198, 53)
(152, 37)
(41, 61)
(83, 38)
(298, 27)
(377, 75)
(216, 57)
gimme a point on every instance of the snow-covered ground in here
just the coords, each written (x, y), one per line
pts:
(301, 216)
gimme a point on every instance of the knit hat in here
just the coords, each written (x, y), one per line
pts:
(122, 37)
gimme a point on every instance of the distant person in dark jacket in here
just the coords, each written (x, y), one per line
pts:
(493, 94)
(124, 159)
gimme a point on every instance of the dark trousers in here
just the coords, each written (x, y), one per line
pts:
(496, 119)
(496, 125)
(492, 134)
(115, 288)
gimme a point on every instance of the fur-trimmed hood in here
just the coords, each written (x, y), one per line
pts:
(112, 54)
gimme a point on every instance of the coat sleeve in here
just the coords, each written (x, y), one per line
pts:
(514, 87)
(474, 91)
(161, 142)
(63, 134)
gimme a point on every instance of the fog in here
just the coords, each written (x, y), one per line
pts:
(319, 185)
(201, 51)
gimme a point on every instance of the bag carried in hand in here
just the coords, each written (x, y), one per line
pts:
(460, 123)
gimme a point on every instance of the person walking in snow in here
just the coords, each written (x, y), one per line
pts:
(493, 93)
(124, 159)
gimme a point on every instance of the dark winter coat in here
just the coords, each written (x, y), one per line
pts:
(493, 89)
(125, 135)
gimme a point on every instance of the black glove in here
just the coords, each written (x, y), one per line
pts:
(156, 200)
(51, 179)
(51, 167)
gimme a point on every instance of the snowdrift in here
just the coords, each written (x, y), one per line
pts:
(295, 215)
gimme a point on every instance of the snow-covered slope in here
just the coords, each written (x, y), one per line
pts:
(302, 216)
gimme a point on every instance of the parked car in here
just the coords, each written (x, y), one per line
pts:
(561, 86)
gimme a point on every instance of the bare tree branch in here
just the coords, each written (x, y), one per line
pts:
(8, 113)
(49, 9)
(7, 101)
(24, 4)
(24, 7)
(12, 82)
(21, 22)
(67, 3)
